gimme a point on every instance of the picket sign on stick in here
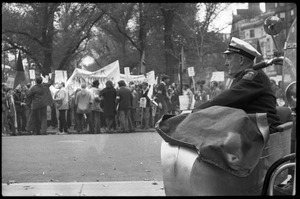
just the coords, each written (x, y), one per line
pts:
(32, 74)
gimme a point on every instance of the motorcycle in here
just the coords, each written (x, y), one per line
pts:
(214, 164)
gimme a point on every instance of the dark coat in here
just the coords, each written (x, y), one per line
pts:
(125, 101)
(250, 91)
(18, 99)
(145, 94)
(109, 101)
(40, 96)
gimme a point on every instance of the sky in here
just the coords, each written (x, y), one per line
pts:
(225, 17)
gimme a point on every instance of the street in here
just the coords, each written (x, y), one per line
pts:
(81, 158)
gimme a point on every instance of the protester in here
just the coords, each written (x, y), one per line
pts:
(135, 103)
(61, 99)
(54, 121)
(108, 95)
(138, 110)
(5, 126)
(28, 108)
(40, 97)
(200, 95)
(11, 115)
(124, 100)
(96, 109)
(154, 114)
(162, 97)
(83, 102)
(74, 107)
(215, 90)
(19, 99)
(146, 110)
(187, 91)
(174, 99)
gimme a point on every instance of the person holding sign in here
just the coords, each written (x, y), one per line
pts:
(40, 97)
(251, 89)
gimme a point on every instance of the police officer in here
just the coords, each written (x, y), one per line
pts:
(251, 89)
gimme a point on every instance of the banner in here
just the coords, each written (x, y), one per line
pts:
(79, 76)
(138, 79)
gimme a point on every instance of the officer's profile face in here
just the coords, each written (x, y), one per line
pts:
(233, 63)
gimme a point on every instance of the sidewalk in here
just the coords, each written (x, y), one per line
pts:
(118, 188)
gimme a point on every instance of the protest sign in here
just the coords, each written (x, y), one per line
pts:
(60, 76)
(32, 74)
(217, 76)
(126, 71)
(138, 79)
(143, 102)
(191, 71)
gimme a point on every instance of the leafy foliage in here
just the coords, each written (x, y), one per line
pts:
(59, 35)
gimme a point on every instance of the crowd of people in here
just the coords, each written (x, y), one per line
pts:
(93, 110)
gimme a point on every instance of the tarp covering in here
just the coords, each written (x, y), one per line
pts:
(225, 137)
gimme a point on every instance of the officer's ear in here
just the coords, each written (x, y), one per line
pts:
(242, 60)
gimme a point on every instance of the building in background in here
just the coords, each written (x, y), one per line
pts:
(248, 25)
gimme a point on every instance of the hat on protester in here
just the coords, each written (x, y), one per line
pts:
(95, 83)
(243, 48)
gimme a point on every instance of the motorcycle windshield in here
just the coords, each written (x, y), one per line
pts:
(290, 56)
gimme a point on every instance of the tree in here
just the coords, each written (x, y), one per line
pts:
(59, 35)
(34, 31)
(75, 22)
(49, 33)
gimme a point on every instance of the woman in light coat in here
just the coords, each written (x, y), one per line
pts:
(61, 99)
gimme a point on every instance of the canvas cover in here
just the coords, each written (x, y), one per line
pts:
(225, 137)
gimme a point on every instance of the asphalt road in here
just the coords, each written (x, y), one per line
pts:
(81, 158)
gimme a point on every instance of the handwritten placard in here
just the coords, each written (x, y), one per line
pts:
(32, 74)
(143, 102)
(191, 71)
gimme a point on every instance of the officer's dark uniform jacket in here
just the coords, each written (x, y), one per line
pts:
(250, 91)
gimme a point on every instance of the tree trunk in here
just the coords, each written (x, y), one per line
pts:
(168, 15)
(47, 36)
(142, 31)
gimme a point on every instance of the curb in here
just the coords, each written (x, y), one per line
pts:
(114, 188)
